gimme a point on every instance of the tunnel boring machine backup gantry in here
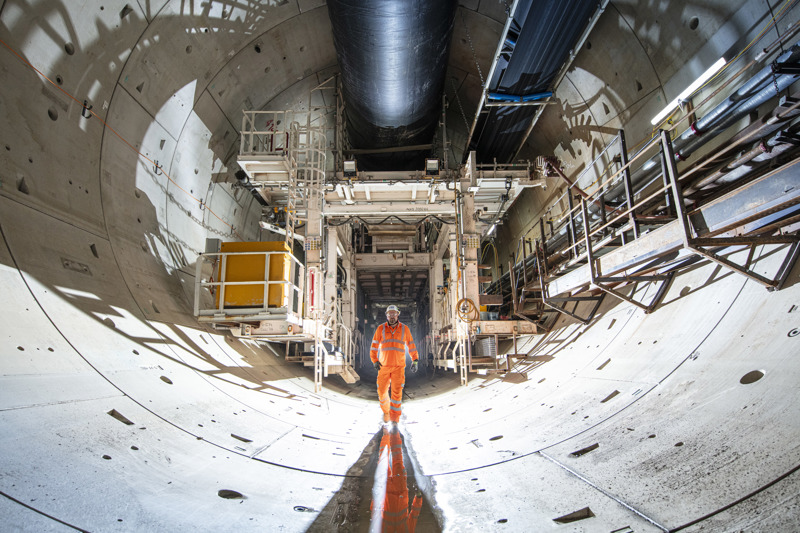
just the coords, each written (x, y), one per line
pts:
(340, 237)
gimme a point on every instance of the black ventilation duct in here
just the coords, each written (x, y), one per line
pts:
(393, 58)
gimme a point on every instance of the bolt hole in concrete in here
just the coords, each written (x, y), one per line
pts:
(135, 352)
(693, 23)
(69, 48)
(793, 333)
(59, 80)
(502, 521)
(751, 377)
(166, 380)
(497, 437)
(230, 494)
(678, 444)
(107, 457)
(610, 396)
(108, 322)
(574, 517)
(119, 416)
(583, 451)
(686, 290)
(20, 348)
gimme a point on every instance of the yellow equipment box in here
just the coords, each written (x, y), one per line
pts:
(253, 267)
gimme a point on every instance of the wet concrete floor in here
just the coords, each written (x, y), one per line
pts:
(380, 492)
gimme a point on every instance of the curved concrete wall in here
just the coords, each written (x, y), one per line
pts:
(121, 413)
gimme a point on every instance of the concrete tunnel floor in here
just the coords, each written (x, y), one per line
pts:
(114, 421)
(120, 413)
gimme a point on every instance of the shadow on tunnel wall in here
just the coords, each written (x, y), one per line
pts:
(149, 262)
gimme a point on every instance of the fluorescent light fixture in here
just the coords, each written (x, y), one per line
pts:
(707, 75)
(431, 167)
(491, 230)
(338, 250)
(350, 168)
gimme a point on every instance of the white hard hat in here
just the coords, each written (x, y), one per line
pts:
(393, 308)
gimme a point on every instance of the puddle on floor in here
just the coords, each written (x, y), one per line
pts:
(380, 493)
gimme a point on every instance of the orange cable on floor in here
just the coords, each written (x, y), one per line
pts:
(155, 165)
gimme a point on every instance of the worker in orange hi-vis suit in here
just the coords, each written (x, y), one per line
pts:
(388, 354)
(396, 515)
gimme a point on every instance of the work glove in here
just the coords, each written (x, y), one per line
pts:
(414, 366)
(377, 365)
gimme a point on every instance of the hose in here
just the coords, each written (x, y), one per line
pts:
(466, 310)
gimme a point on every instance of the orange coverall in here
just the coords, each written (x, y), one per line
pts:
(391, 342)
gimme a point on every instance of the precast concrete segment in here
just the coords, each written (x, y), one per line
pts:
(20, 516)
(528, 495)
(577, 377)
(90, 470)
(201, 385)
(57, 407)
(730, 407)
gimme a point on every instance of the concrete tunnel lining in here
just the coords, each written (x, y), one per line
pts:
(116, 331)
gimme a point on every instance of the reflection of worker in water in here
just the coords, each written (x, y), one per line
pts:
(395, 514)
(390, 340)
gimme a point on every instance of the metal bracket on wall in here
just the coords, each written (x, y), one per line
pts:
(86, 111)
(565, 299)
(703, 246)
(600, 281)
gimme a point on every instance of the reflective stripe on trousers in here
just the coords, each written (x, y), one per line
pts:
(394, 376)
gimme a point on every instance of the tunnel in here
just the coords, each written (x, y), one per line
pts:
(120, 411)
